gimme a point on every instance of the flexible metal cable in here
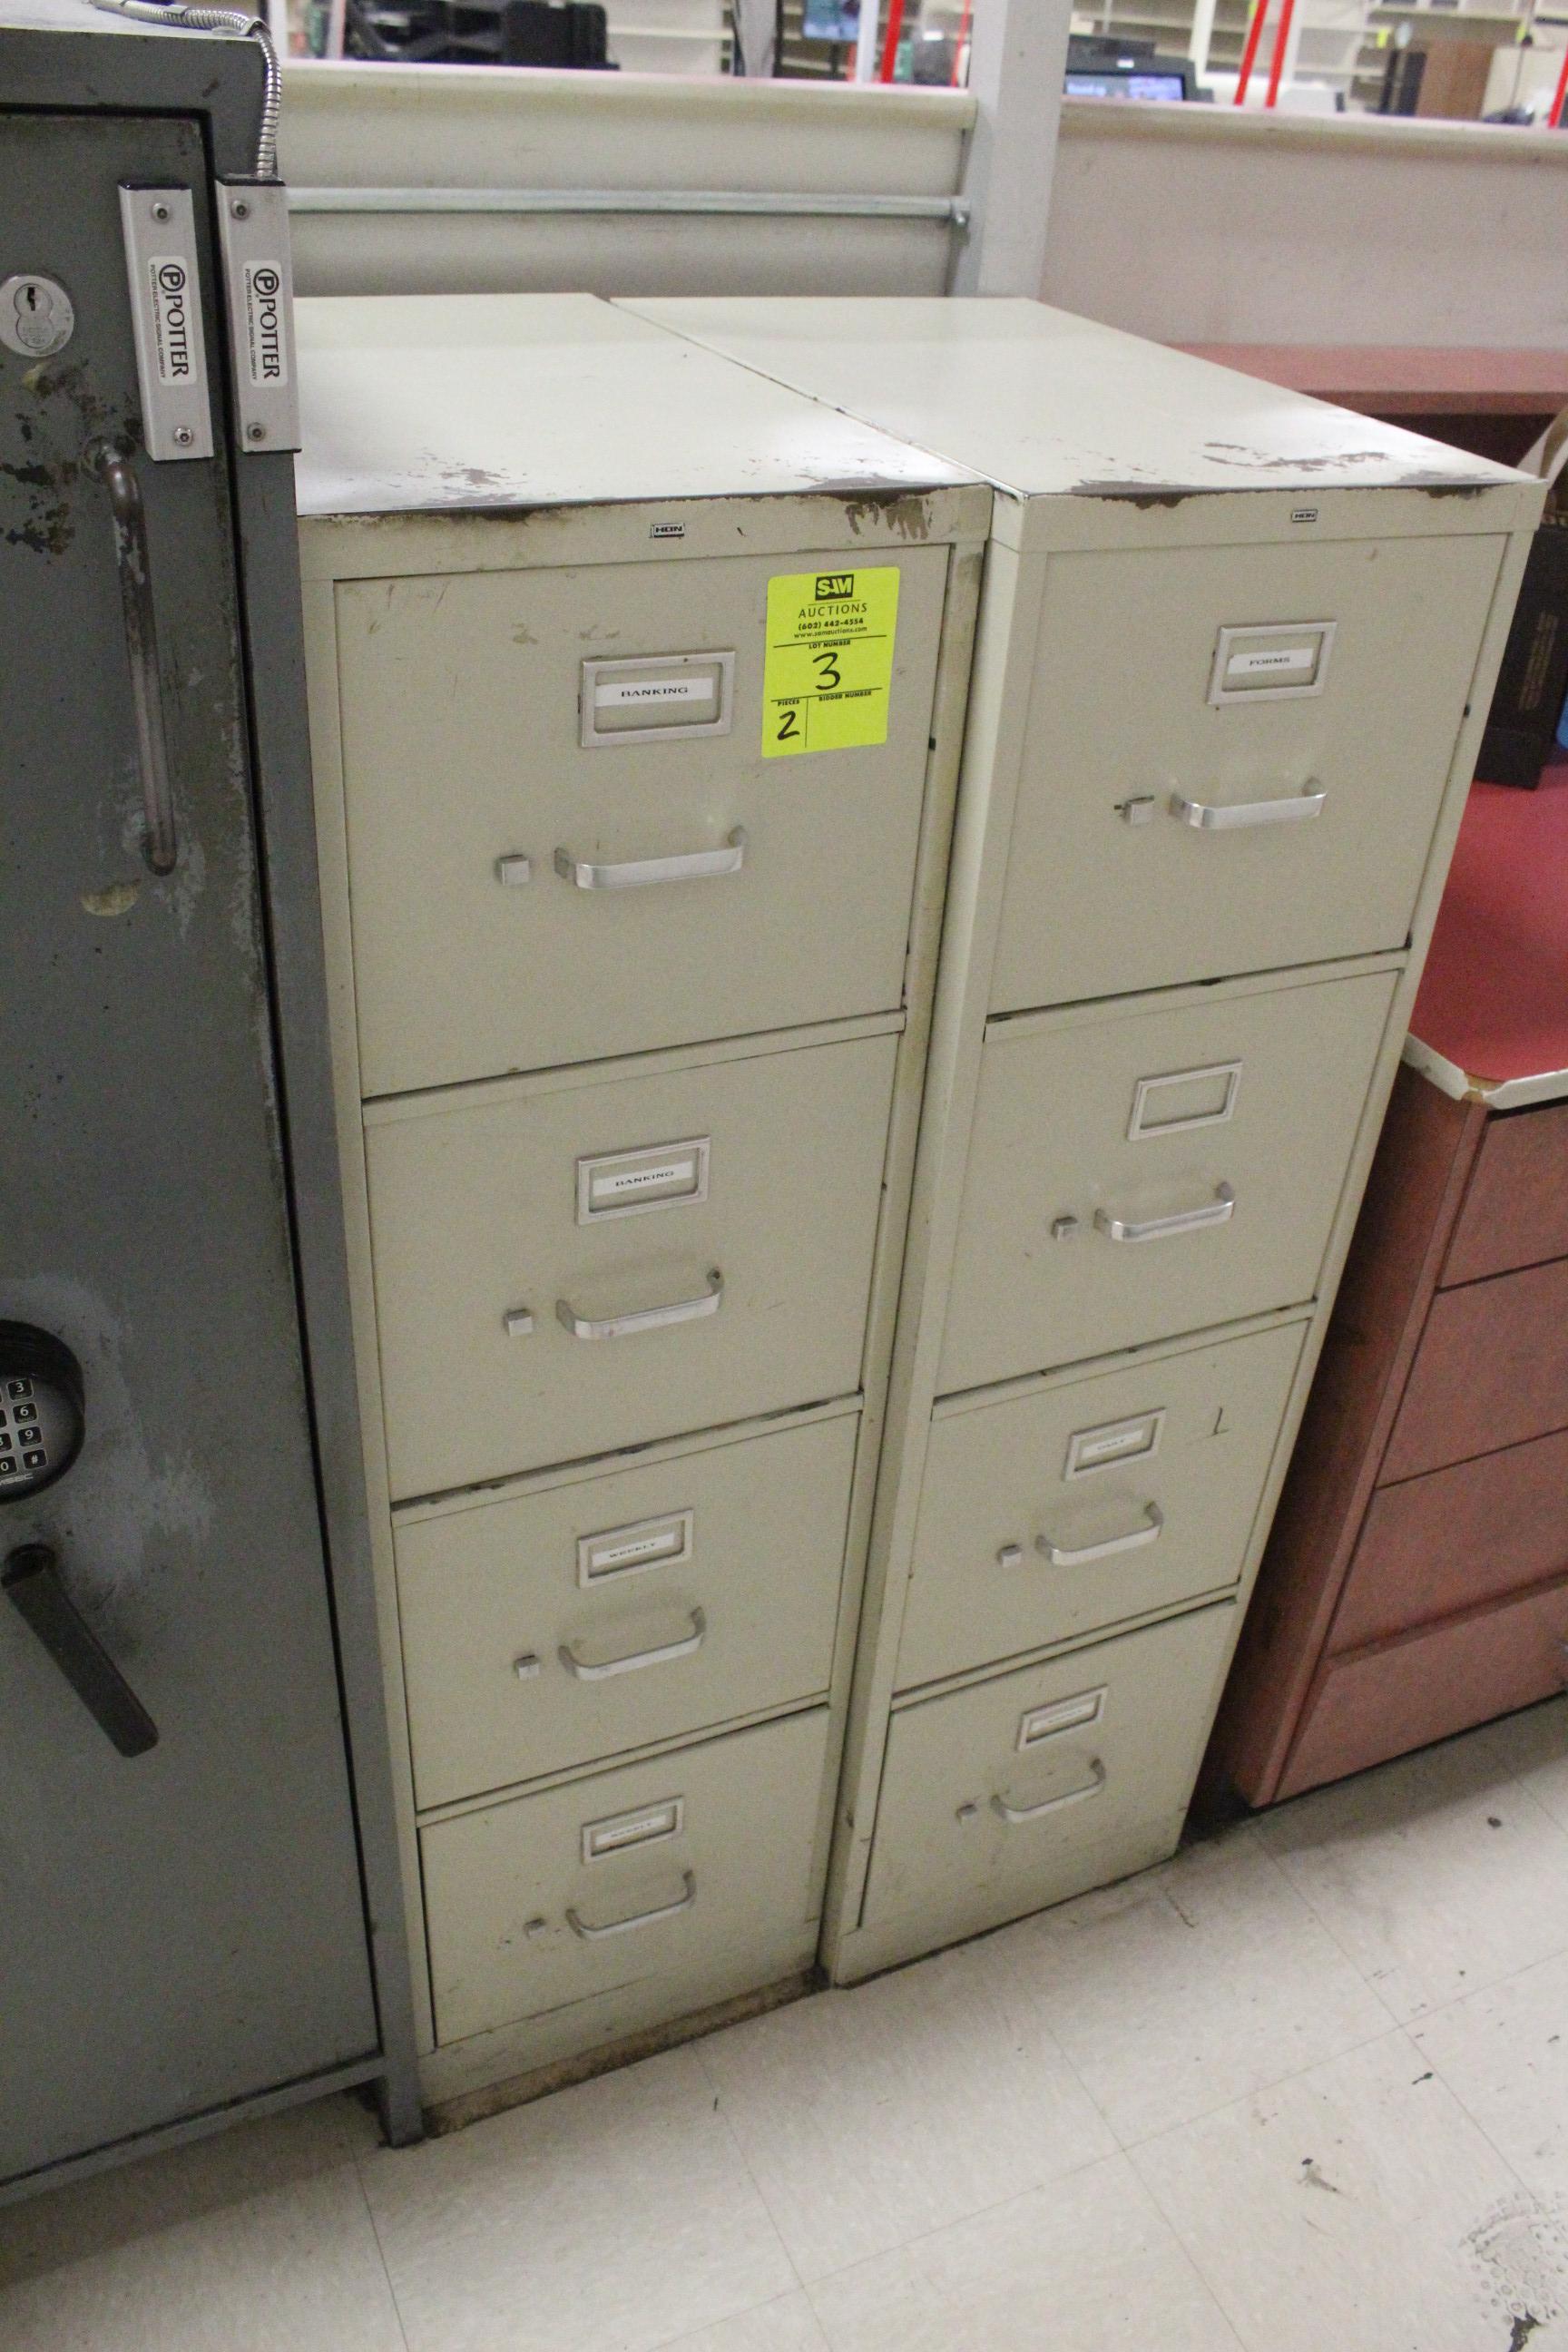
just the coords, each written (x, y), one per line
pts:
(221, 20)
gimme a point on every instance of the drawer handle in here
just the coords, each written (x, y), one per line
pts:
(1217, 1211)
(636, 1658)
(644, 1318)
(579, 1926)
(1207, 816)
(1013, 1814)
(1153, 1520)
(635, 873)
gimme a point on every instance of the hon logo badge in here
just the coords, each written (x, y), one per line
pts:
(829, 672)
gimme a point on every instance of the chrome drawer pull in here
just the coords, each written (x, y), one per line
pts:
(1011, 1813)
(1154, 1518)
(636, 1658)
(1207, 816)
(579, 1926)
(697, 867)
(1217, 1211)
(644, 1318)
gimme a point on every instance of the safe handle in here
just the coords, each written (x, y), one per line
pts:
(579, 1926)
(1153, 1521)
(635, 874)
(113, 468)
(31, 1584)
(643, 1319)
(635, 1659)
(1012, 1814)
(1209, 816)
(1217, 1211)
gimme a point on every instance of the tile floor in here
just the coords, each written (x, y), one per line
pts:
(1303, 2090)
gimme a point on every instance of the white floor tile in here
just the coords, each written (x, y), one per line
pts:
(1195, 1984)
(1534, 1745)
(787, 2325)
(1416, 1871)
(872, 2115)
(256, 2240)
(1358, 2206)
(1086, 2265)
(1504, 2055)
(610, 2217)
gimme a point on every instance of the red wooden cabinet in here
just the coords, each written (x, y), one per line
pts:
(1416, 1579)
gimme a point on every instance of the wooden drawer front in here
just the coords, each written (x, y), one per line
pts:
(988, 1811)
(1402, 1695)
(1150, 1476)
(549, 1630)
(462, 746)
(1491, 1370)
(1433, 1546)
(1122, 725)
(1516, 1209)
(1077, 1129)
(696, 1873)
(474, 1216)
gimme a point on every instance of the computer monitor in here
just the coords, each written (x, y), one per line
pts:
(1132, 71)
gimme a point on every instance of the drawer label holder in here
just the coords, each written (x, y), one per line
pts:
(643, 1544)
(648, 1825)
(653, 1176)
(1113, 1443)
(827, 676)
(1048, 1722)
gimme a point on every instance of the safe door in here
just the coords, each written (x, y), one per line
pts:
(181, 1918)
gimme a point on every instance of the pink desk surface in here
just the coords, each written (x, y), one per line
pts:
(1492, 1015)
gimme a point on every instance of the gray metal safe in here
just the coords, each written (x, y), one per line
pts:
(191, 1856)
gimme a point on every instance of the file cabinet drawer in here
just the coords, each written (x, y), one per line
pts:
(548, 1630)
(1491, 1370)
(1024, 1789)
(1515, 1210)
(1050, 1516)
(1141, 1171)
(562, 1269)
(523, 898)
(1474, 1532)
(1237, 755)
(1421, 1686)
(690, 1878)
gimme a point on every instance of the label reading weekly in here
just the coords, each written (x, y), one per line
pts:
(828, 675)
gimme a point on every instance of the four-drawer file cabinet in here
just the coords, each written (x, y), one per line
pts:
(1234, 657)
(637, 689)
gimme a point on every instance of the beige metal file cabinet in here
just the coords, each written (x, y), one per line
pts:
(638, 687)
(1234, 653)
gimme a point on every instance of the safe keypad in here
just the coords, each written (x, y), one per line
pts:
(23, 1446)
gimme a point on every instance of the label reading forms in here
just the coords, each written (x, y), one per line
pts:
(1281, 661)
(264, 324)
(178, 354)
(828, 667)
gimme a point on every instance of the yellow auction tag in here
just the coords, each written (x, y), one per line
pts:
(829, 668)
